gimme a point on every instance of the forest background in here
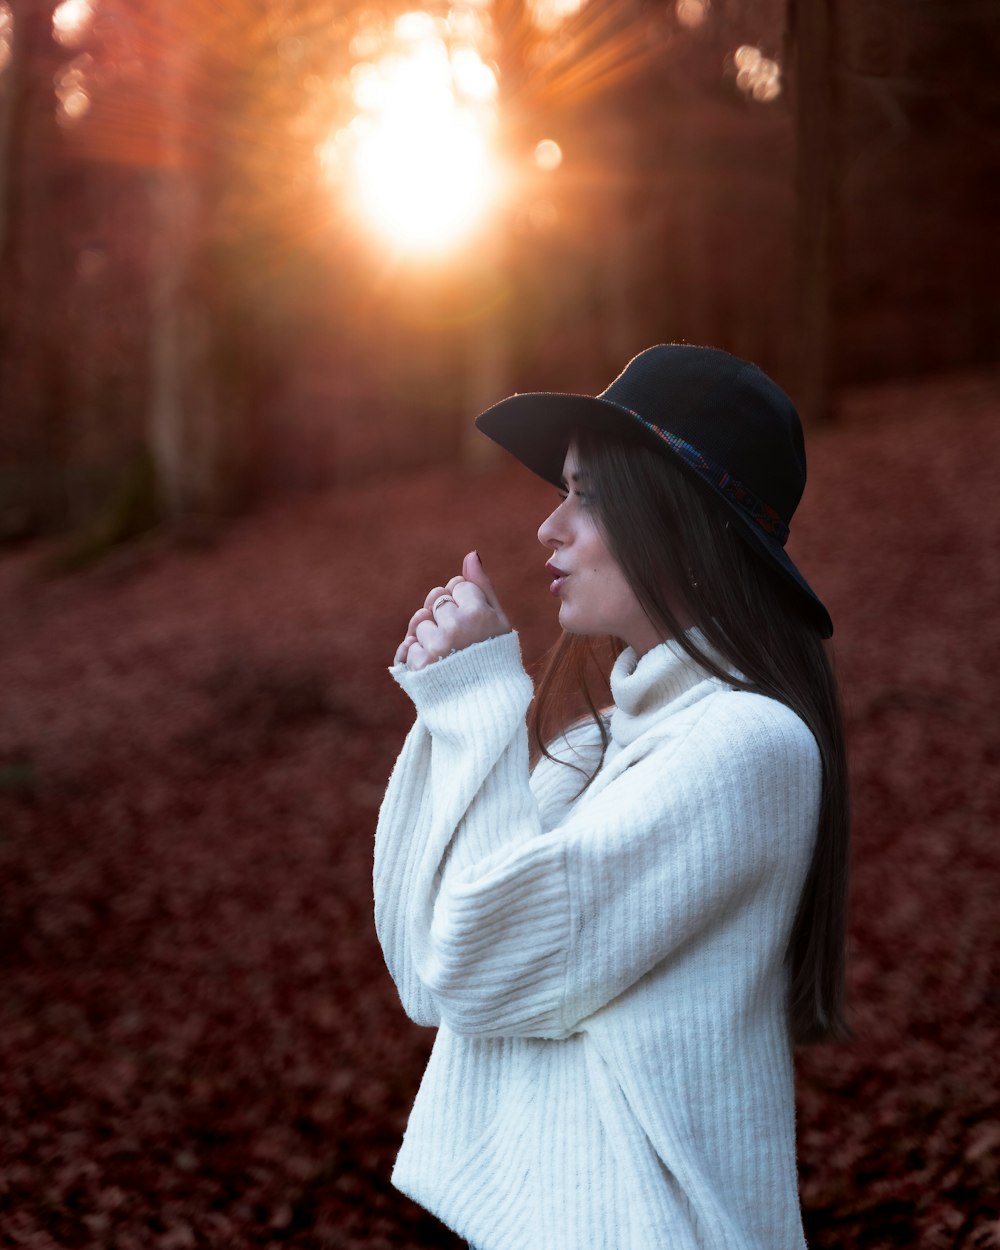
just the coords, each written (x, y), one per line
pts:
(235, 406)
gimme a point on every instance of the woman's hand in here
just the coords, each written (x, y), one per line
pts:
(453, 617)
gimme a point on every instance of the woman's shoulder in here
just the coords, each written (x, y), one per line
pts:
(728, 718)
(757, 724)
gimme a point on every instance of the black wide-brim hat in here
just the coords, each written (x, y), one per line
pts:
(721, 418)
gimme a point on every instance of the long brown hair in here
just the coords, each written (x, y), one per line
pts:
(671, 536)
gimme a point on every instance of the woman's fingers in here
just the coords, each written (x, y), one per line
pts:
(421, 614)
(444, 604)
(464, 611)
(417, 658)
(473, 571)
(429, 635)
(403, 649)
(440, 591)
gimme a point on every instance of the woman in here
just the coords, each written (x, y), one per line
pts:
(619, 944)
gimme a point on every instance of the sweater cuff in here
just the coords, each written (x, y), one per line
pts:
(475, 675)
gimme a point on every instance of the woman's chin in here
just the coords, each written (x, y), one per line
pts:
(570, 623)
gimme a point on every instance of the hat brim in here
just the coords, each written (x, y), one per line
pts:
(537, 428)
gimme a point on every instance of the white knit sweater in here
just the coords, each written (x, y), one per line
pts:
(612, 1069)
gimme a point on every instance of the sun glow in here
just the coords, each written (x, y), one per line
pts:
(419, 154)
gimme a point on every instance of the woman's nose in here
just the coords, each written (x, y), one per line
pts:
(548, 531)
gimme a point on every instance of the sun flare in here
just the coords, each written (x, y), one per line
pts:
(419, 156)
(424, 179)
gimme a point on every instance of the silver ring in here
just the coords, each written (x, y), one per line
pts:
(441, 599)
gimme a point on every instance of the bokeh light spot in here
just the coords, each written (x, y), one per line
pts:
(71, 89)
(548, 155)
(747, 57)
(416, 26)
(757, 76)
(766, 90)
(74, 105)
(291, 49)
(474, 79)
(365, 44)
(691, 13)
(468, 25)
(71, 21)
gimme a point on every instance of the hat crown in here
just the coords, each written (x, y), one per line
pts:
(727, 409)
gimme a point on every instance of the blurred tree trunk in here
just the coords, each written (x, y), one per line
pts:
(811, 34)
(34, 440)
(30, 27)
(14, 510)
(9, 76)
(26, 77)
(182, 415)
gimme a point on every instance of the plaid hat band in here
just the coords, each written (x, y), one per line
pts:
(756, 509)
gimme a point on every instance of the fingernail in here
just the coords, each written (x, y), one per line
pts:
(479, 558)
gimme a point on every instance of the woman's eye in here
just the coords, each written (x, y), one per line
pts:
(580, 495)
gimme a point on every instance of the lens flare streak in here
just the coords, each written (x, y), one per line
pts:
(598, 54)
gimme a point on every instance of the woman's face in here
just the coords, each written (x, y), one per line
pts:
(594, 597)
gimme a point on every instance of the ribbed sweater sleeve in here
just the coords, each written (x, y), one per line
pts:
(496, 928)
(401, 837)
(474, 704)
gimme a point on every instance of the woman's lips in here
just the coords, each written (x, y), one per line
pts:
(559, 577)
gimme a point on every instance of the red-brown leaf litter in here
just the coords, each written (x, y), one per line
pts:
(199, 1043)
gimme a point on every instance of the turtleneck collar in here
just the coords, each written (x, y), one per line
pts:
(644, 686)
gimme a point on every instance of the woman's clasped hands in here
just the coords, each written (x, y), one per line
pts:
(454, 616)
